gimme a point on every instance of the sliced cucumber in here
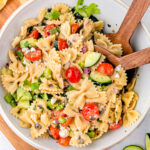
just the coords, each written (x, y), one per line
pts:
(92, 58)
(100, 78)
(133, 147)
(147, 142)
(24, 104)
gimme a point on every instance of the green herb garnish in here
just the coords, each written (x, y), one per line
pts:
(20, 54)
(54, 30)
(71, 88)
(26, 82)
(53, 15)
(26, 44)
(86, 11)
(34, 86)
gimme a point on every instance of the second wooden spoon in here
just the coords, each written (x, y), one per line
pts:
(129, 61)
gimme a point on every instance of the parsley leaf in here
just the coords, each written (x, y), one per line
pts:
(54, 30)
(26, 82)
(53, 15)
(34, 86)
(92, 9)
(86, 11)
(20, 54)
(71, 88)
(26, 44)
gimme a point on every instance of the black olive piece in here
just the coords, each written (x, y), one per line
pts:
(78, 16)
(7, 64)
(49, 9)
(30, 29)
(102, 31)
(56, 44)
(40, 106)
(93, 18)
(43, 24)
(38, 126)
(50, 85)
(73, 9)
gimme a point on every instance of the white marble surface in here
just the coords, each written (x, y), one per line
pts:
(136, 138)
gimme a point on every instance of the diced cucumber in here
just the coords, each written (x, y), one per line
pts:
(31, 42)
(47, 73)
(5, 71)
(147, 142)
(91, 59)
(100, 78)
(8, 97)
(24, 104)
(133, 147)
(91, 134)
(23, 95)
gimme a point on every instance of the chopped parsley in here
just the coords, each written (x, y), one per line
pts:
(26, 44)
(26, 82)
(54, 30)
(34, 86)
(53, 15)
(20, 54)
(86, 11)
(71, 88)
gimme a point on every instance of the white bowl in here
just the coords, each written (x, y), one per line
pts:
(112, 13)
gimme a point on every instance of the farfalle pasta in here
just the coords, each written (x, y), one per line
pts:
(59, 86)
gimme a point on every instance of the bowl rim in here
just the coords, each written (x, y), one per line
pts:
(19, 133)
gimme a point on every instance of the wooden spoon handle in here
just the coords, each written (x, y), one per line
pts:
(132, 19)
(136, 59)
(111, 57)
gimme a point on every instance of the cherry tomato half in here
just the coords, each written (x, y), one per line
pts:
(115, 126)
(62, 44)
(74, 28)
(34, 55)
(64, 141)
(57, 114)
(73, 74)
(68, 122)
(34, 34)
(54, 132)
(47, 29)
(105, 68)
(90, 112)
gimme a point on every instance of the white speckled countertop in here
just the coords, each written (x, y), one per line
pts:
(136, 138)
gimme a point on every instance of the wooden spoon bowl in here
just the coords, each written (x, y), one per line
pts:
(129, 24)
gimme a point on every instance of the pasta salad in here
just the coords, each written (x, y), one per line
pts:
(59, 86)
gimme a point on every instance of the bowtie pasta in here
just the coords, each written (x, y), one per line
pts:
(59, 86)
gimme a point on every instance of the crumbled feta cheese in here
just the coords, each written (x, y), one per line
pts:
(32, 49)
(118, 68)
(117, 75)
(27, 68)
(24, 49)
(53, 100)
(63, 132)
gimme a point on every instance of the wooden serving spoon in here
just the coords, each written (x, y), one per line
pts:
(129, 61)
(129, 24)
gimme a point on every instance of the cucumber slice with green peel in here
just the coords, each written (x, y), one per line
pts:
(147, 141)
(24, 104)
(100, 78)
(91, 58)
(133, 147)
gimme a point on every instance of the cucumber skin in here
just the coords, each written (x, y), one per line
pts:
(132, 147)
(101, 81)
(147, 137)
